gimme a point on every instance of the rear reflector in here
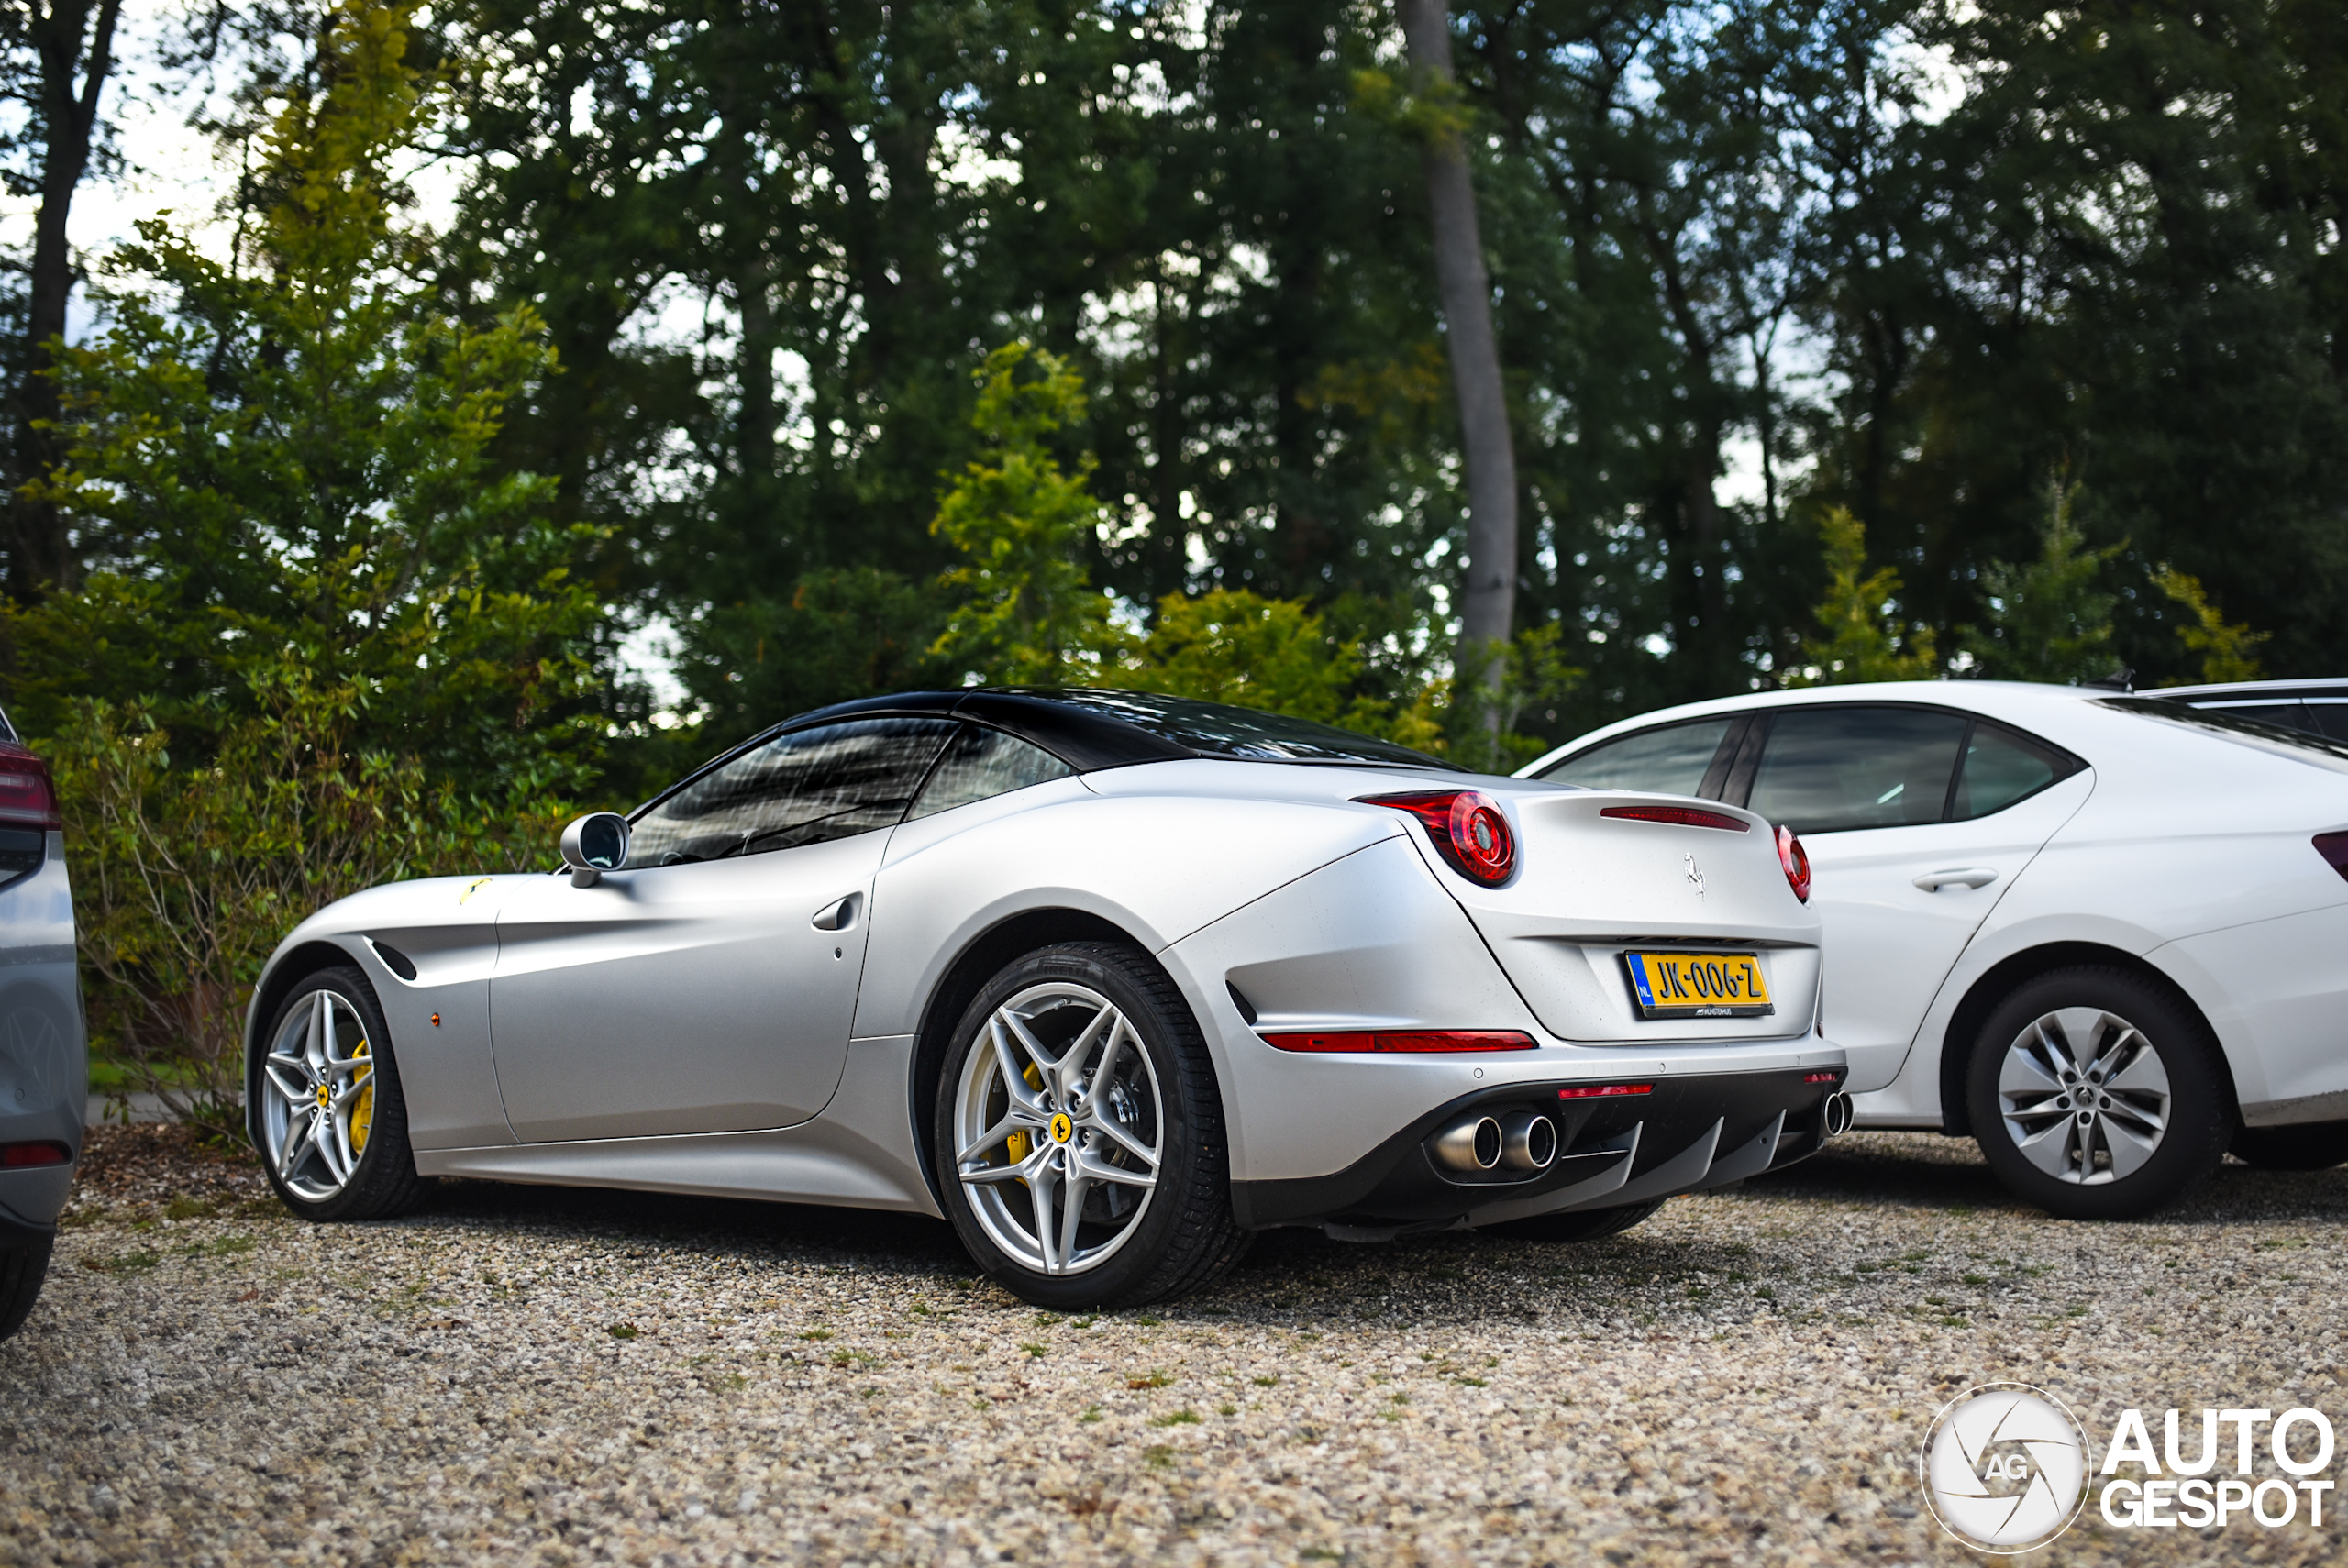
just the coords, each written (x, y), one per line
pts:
(1679, 816)
(2333, 847)
(1822, 1077)
(1603, 1091)
(1359, 1040)
(16, 1156)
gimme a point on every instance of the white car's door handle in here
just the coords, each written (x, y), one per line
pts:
(838, 915)
(1971, 876)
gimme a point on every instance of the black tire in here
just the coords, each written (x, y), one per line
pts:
(2309, 1146)
(1581, 1225)
(383, 1183)
(1184, 1236)
(2194, 1122)
(22, 1268)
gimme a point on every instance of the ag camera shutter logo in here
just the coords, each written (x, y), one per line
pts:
(2005, 1467)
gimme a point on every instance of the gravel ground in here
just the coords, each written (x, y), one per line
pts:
(523, 1375)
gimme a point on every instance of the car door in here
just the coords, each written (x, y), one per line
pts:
(708, 985)
(1917, 820)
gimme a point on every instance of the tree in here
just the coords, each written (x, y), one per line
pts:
(282, 460)
(2047, 619)
(2225, 648)
(1028, 616)
(72, 43)
(1488, 589)
(1864, 639)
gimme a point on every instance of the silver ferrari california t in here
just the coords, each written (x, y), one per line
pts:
(1109, 980)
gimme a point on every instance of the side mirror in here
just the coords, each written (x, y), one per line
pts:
(593, 845)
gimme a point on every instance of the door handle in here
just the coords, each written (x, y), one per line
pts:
(1972, 876)
(838, 915)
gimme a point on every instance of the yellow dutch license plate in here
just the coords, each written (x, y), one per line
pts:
(1698, 985)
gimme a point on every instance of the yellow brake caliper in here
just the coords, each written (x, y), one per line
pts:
(362, 1110)
(1016, 1144)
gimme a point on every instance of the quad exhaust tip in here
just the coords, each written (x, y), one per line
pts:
(1521, 1141)
(1839, 1114)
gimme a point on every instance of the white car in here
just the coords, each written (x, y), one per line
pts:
(2106, 934)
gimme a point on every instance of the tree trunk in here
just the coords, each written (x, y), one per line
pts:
(76, 52)
(1488, 599)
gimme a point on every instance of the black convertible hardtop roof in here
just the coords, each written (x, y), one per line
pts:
(1091, 728)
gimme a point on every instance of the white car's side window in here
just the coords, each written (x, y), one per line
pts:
(1833, 769)
(1671, 759)
(980, 762)
(2003, 767)
(808, 786)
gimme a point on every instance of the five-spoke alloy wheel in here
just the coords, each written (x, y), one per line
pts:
(2095, 1095)
(331, 1122)
(1079, 1132)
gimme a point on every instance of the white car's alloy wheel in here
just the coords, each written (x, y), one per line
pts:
(317, 1120)
(2084, 1096)
(1058, 1128)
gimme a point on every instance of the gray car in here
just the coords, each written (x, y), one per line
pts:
(44, 1066)
(1108, 981)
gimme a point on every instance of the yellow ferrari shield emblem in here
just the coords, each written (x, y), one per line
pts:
(326, 1096)
(1062, 1128)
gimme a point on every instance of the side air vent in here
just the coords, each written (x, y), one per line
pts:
(397, 962)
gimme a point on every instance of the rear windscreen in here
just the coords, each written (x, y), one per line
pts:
(1218, 730)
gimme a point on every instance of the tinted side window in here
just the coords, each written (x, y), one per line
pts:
(804, 787)
(2003, 767)
(1833, 769)
(2330, 719)
(1670, 761)
(983, 763)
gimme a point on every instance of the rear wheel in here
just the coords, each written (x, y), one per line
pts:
(2097, 1095)
(1581, 1225)
(2310, 1146)
(22, 1268)
(1080, 1133)
(333, 1123)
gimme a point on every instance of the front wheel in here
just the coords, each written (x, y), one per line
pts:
(1080, 1133)
(2097, 1095)
(333, 1123)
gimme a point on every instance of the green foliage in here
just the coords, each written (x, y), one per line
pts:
(331, 645)
(188, 870)
(2225, 647)
(1863, 640)
(1479, 722)
(2048, 621)
(1232, 645)
(285, 462)
(1028, 614)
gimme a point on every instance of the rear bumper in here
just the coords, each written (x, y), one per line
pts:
(1687, 1133)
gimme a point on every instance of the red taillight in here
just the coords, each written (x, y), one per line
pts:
(2333, 847)
(1363, 1039)
(1795, 860)
(16, 1156)
(1680, 816)
(26, 797)
(1468, 827)
(1603, 1091)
